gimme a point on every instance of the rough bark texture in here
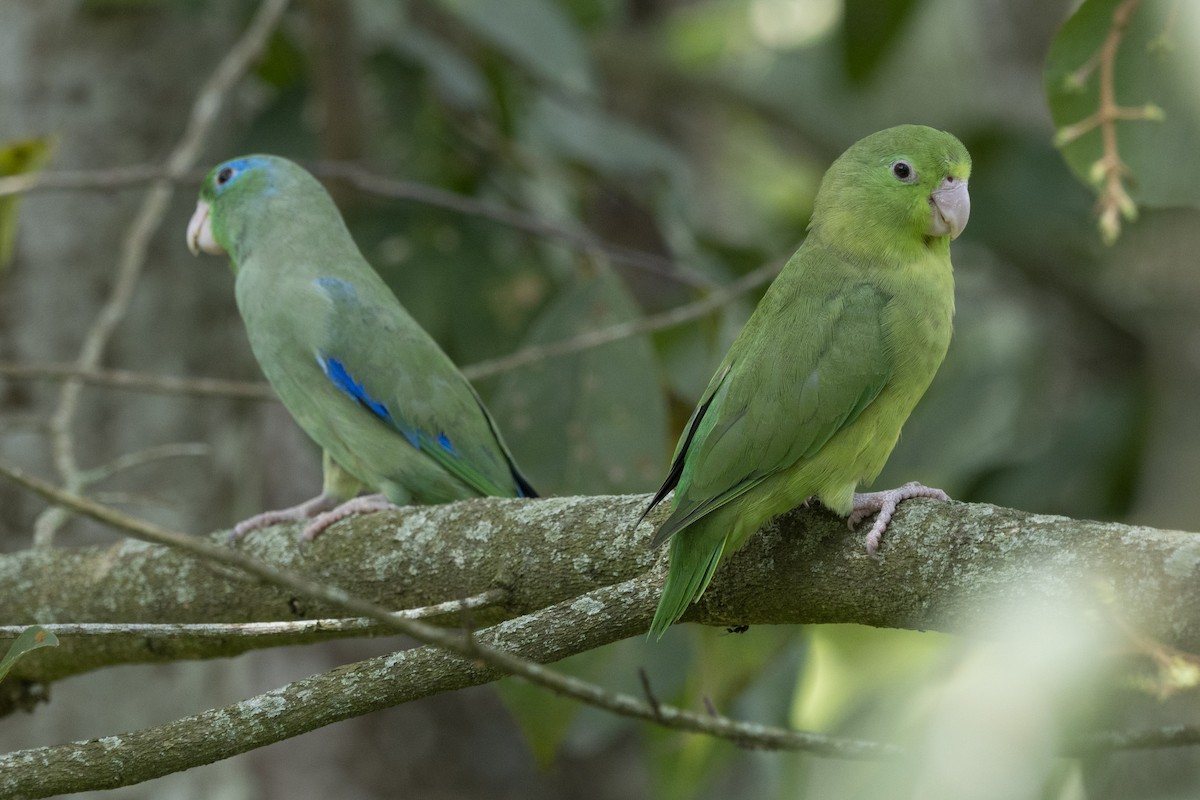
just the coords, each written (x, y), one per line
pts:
(942, 567)
(579, 577)
(354, 690)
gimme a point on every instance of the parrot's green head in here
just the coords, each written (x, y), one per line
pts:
(246, 198)
(900, 189)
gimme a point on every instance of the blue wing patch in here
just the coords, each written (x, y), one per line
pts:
(446, 444)
(337, 288)
(342, 379)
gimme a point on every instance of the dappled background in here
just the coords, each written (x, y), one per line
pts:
(553, 168)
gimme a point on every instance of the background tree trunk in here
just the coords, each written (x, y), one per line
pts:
(115, 83)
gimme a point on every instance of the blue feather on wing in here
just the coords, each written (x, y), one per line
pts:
(342, 379)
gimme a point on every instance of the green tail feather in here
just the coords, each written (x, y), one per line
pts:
(693, 562)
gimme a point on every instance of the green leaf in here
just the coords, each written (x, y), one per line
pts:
(546, 718)
(1153, 75)
(535, 34)
(552, 723)
(869, 28)
(18, 157)
(591, 136)
(456, 78)
(746, 675)
(592, 422)
(31, 638)
(842, 677)
(542, 716)
(283, 64)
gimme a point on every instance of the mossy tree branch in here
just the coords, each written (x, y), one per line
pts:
(576, 575)
(942, 567)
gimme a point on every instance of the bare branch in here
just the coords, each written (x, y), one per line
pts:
(248, 390)
(474, 648)
(143, 457)
(237, 630)
(942, 566)
(92, 179)
(368, 182)
(1156, 738)
(141, 381)
(606, 615)
(623, 330)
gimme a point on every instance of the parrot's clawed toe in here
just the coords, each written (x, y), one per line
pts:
(367, 504)
(298, 513)
(885, 504)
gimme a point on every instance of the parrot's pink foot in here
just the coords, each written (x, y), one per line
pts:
(306, 510)
(367, 504)
(885, 503)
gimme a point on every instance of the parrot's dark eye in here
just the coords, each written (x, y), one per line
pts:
(224, 175)
(903, 171)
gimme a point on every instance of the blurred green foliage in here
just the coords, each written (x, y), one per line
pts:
(698, 132)
(616, 382)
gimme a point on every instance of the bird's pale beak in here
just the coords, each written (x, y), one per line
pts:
(199, 232)
(951, 207)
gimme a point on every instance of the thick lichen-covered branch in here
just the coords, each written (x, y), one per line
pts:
(603, 616)
(946, 566)
(497, 658)
(941, 567)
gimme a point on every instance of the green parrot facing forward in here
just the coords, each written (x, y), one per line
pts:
(809, 400)
(361, 377)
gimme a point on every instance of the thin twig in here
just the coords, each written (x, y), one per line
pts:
(491, 597)
(367, 181)
(741, 733)
(1109, 741)
(244, 630)
(136, 243)
(142, 457)
(141, 381)
(370, 183)
(623, 330)
(130, 499)
(252, 390)
(104, 180)
(648, 692)
(199, 630)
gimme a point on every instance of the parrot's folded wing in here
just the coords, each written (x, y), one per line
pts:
(375, 353)
(758, 418)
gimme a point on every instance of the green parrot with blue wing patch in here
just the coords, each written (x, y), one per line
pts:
(392, 413)
(810, 399)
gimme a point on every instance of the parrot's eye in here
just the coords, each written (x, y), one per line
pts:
(904, 171)
(224, 175)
